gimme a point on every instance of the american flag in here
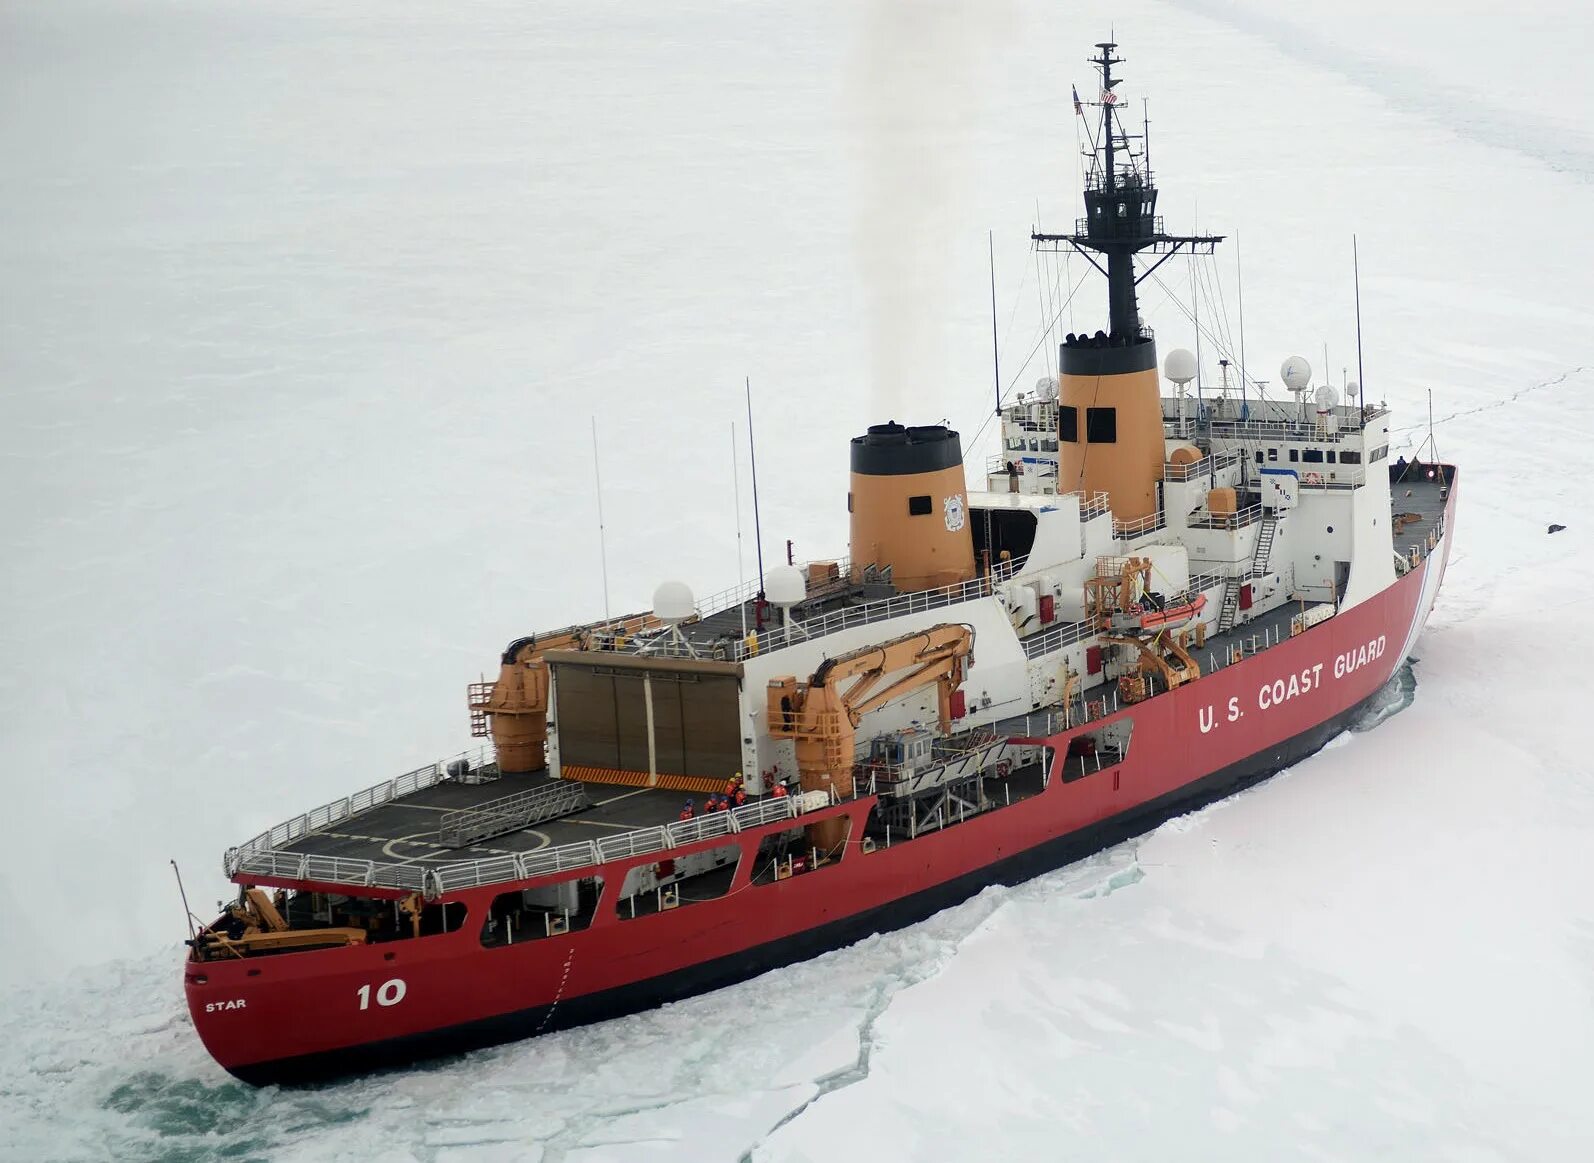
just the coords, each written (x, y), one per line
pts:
(1078, 108)
(1108, 97)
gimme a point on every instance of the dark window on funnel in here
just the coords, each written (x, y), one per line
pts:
(1101, 425)
(849, 501)
(918, 506)
(1068, 424)
(1312, 455)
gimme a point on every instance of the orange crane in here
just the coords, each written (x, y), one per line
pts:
(1163, 656)
(514, 710)
(823, 714)
(262, 929)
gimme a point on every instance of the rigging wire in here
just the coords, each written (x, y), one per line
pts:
(1013, 383)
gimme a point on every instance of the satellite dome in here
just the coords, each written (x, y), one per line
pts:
(672, 602)
(1353, 389)
(1046, 388)
(1297, 374)
(785, 585)
(1180, 366)
(1327, 397)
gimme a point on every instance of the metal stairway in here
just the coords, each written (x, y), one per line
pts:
(498, 817)
(1230, 610)
(1231, 604)
(1264, 542)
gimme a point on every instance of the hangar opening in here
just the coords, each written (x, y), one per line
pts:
(662, 722)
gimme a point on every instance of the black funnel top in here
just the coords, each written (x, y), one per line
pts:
(892, 450)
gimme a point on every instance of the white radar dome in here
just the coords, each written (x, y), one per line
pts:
(1179, 366)
(672, 602)
(1352, 390)
(785, 585)
(1296, 373)
(1046, 388)
(1327, 396)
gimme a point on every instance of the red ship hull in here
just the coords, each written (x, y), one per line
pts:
(307, 1015)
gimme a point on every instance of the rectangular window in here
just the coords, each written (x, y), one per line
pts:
(1312, 455)
(1347, 456)
(1068, 424)
(1330, 456)
(849, 500)
(1272, 454)
(1101, 425)
(1295, 455)
(918, 506)
(1258, 461)
(1379, 453)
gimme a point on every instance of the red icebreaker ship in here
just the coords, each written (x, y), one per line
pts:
(1152, 602)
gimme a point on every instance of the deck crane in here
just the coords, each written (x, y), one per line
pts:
(514, 710)
(822, 715)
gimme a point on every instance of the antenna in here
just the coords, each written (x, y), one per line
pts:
(996, 358)
(1145, 140)
(603, 551)
(1201, 408)
(183, 893)
(1361, 373)
(752, 451)
(741, 565)
(1239, 278)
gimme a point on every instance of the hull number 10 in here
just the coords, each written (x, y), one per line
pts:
(389, 993)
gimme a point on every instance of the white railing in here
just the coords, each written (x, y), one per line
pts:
(1055, 639)
(333, 870)
(352, 805)
(730, 598)
(1139, 527)
(1237, 520)
(1331, 476)
(918, 601)
(1092, 504)
(1203, 467)
(450, 876)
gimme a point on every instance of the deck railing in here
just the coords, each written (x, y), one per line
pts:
(729, 599)
(352, 805)
(777, 637)
(452, 875)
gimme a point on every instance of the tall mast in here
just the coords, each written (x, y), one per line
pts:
(1121, 212)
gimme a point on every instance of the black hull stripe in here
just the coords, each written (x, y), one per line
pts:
(723, 971)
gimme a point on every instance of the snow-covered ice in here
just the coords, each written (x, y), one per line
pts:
(304, 311)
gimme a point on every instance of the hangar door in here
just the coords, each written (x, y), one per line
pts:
(600, 712)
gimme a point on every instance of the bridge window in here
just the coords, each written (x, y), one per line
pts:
(1295, 455)
(1348, 456)
(1272, 454)
(1068, 424)
(1312, 455)
(1101, 425)
(918, 506)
